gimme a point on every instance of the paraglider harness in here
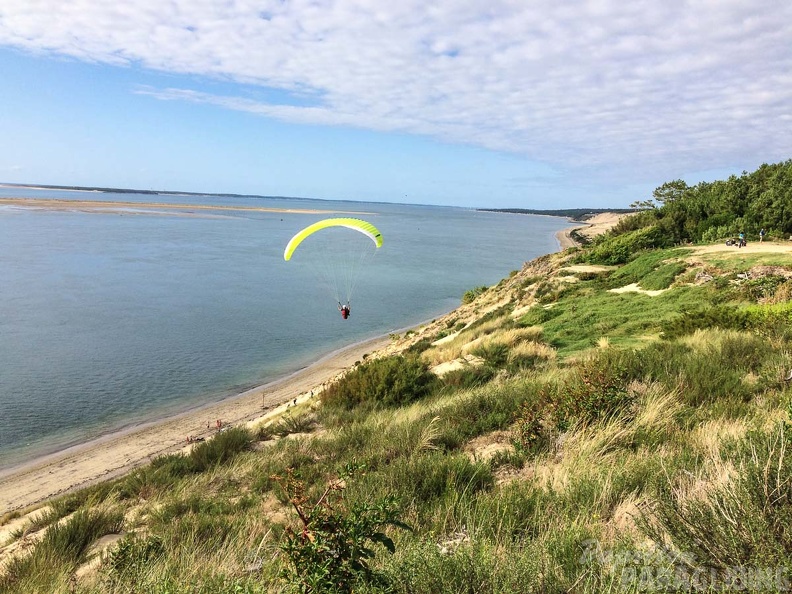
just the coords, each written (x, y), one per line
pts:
(344, 309)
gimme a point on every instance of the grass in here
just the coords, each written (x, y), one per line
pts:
(626, 319)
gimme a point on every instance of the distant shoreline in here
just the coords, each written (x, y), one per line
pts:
(596, 225)
(116, 205)
(123, 450)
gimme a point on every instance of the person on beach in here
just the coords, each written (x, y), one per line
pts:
(344, 309)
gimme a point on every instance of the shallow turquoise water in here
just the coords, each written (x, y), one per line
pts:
(110, 319)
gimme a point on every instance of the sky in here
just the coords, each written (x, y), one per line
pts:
(478, 103)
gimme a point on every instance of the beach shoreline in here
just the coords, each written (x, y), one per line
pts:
(596, 225)
(119, 452)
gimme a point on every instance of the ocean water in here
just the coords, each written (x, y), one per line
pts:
(111, 319)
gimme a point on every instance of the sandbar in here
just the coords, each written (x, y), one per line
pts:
(103, 205)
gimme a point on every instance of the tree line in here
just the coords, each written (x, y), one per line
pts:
(711, 211)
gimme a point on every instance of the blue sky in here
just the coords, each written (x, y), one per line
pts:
(496, 103)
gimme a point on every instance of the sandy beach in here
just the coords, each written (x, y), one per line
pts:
(117, 453)
(594, 226)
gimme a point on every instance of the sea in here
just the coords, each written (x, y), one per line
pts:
(114, 318)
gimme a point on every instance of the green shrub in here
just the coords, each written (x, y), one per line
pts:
(744, 523)
(610, 250)
(718, 316)
(596, 390)
(333, 548)
(135, 554)
(532, 432)
(420, 346)
(289, 424)
(392, 381)
(469, 377)
(473, 294)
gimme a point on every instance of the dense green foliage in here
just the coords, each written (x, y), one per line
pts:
(472, 294)
(391, 381)
(332, 550)
(713, 211)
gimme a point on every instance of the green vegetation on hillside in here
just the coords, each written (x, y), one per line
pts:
(559, 433)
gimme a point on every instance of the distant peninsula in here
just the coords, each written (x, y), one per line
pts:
(150, 192)
(576, 214)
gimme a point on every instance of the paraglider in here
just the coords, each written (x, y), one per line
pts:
(336, 249)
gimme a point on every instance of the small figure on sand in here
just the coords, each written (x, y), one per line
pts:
(344, 309)
(219, 424)
(761, 234)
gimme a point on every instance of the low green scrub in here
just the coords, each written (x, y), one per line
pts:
(495, 354)
(220, 449)
(469, 377)
(419, 480)
(578, 323)
(482, 411)
(719, 316)
(662, 277)
(473, 294)
(392, 381)
(333, 548)
(742, 522)
(619, 249)
(643, 266)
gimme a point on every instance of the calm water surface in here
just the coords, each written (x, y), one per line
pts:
(110, 319)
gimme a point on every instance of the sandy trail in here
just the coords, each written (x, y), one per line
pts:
(765, 247)
(118, 453)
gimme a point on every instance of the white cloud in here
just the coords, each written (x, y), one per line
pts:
(646, 86)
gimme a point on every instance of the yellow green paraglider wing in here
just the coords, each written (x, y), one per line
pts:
(356, 224)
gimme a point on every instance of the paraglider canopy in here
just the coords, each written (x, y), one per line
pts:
(336, 249)
(356, 224)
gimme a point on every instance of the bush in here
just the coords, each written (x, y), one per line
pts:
(472, 294)
(135, 554)
(333, 548)
(392, 381)
(596, 390)
(619, 249)
(469, 377)
(742, 523)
